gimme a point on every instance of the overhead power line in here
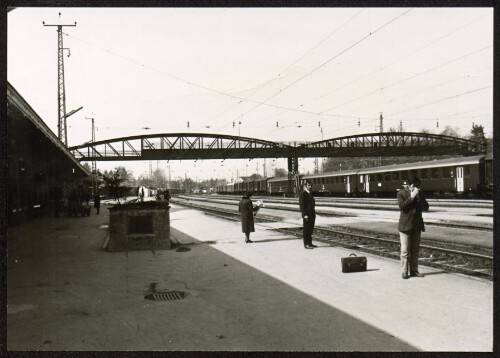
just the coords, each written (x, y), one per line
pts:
(195, 84)
(409, 78)
(443, 99)
(326, 62)
(400, 58)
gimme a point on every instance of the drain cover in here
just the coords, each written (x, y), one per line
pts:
(165, 296)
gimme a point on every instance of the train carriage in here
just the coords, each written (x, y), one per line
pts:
(462, 176)
(487, 185)
(333, 183)
(277, 186)
(454, 175)
(261, 186)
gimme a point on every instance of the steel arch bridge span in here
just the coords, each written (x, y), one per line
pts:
(391, 144)
(178, 146)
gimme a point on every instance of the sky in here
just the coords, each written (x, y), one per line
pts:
(279, 74)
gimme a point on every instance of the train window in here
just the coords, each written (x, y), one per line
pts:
(414, 173)
(361, 179)
(342, 179)
(372, 177)
(387, 176)
(434, 173)
(323, 180)
(336, 180)
(424, 173)
(379, 177)
(404, 175)
(447, 172)
(395, 175)
(467, 170)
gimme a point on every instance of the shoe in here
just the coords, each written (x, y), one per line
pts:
(405, 276)
(309, 247)
(313, 245)
(248, 241)
(416, 274)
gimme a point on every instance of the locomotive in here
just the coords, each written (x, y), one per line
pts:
(465, 176)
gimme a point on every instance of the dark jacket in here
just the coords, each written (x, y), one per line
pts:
(411, 210)
(246, 209)
(307, 203)
(97, 201)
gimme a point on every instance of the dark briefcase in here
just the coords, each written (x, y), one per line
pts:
(353, 263)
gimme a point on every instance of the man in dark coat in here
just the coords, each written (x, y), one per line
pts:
(307, 204)
(411, 202)
(166, 195)
(97, 202)
(247, 210)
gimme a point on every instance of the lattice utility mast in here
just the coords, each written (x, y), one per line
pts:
(61, 94)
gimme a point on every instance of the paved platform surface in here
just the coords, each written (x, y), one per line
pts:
(66, 293)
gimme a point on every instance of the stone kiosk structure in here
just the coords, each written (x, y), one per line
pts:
(139, 226)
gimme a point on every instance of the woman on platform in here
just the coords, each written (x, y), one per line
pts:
(247, 210)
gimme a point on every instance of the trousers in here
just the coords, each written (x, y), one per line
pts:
(410, 247)
(308, 227)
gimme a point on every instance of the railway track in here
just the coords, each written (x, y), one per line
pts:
(463, 260)
(468, 260)
(466, 203)
(278, 205)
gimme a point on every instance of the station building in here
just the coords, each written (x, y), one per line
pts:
(41, 170)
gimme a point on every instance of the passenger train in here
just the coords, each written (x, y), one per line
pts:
(464, 176)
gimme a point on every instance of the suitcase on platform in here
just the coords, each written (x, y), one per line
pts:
(353, 263)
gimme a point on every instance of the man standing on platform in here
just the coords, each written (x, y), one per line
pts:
(307, 204)
(97, 202)
(411, 202)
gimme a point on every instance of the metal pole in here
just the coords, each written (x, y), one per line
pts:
(169, 177)
(94, 167)
(61, 95)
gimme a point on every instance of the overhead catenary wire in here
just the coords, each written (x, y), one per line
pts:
(191, 83)
(400, 58)
(391, 63)
(443, 99)
(401, 81)
(326, 62)
(299, 59)
(300, 110)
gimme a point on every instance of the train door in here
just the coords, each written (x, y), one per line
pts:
(367, 183)
(460, 179)
(348, 184)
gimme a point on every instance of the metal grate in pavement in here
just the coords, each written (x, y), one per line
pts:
(165, 296)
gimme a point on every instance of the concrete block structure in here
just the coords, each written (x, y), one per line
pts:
(139, 226)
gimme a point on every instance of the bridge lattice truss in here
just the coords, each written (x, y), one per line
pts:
(178, 146)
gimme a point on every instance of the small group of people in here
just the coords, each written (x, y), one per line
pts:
(411, 202)
(163, 195)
